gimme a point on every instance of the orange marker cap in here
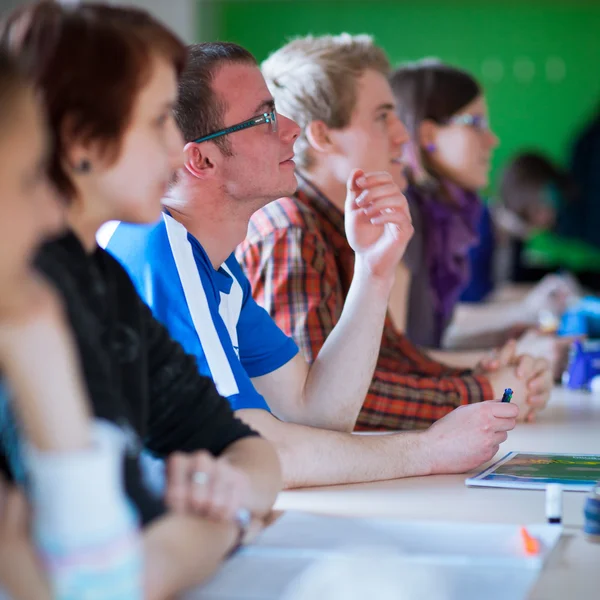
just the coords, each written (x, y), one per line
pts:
(531, 544)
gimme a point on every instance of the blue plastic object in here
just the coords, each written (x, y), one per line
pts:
(591, 525)
(584, 365)
(582, 319)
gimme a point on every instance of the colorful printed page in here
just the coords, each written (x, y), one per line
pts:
(533, 471)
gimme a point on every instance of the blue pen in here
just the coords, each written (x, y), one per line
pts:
(507, 397)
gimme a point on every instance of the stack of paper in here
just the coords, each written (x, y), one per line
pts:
(452, 560)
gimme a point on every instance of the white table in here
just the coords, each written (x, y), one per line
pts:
(570, 424)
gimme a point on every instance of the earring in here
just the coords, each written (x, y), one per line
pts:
(85, 166)
(430, 148)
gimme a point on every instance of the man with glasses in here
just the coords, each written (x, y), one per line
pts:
(238, 158)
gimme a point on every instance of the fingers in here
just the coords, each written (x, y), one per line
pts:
(493, 451)
(499, 438)
(352, 184)
(541, 377)
(538, 401)
(373, 179)
(230, 490)
(489, 362)
(389, 210)
(203, 483)
(505, 424)
(525, 415)
(393, 203)
(378, 194)
(499, 358)
(382, 202)
(506, 354)
(503, 410)
(223, 490)
(540, 382)
(531, 417)
(179, 470)
(188, 482)
(394, 218)
(525, 366)
(378, 186)
(205, 486)
(220, 491)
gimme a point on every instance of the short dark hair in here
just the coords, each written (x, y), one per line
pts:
(526, 175)
(430, 89)
(13, 81)
(199, 111)
(89, 61)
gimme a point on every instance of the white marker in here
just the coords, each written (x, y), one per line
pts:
(554, 503)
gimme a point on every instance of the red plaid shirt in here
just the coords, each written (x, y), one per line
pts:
(300, 265)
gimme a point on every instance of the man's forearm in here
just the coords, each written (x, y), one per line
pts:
(458, 360)
(340, 376)
(259, 460)
(484, 325)
(181, 551)
(313, 457)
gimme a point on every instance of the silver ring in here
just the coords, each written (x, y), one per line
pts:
(200, 478)
(243, 518)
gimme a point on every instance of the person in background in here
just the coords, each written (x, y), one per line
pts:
(582, 221)
(445, 111)
(535, 196)
(238, 157)
(108, 77)
(299, 259)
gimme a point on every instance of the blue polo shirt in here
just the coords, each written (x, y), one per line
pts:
(209, 311)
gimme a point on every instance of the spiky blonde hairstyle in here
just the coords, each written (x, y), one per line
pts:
(314, 79)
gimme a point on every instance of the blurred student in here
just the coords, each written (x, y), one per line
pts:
(299, 258)
(238, 157)
(445, 111)
(583, 220)
(73, 464)
(109, 80)
(535, 197)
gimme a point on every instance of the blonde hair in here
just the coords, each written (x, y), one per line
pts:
(314, 79)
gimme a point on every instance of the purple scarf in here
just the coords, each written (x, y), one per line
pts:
(449, 232)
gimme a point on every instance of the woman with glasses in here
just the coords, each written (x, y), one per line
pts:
(108, 77)
(445, 111)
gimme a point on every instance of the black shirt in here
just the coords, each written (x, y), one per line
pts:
(137, 376)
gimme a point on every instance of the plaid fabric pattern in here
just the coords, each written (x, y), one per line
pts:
(300, 265)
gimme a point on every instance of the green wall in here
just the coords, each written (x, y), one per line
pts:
(539, 61)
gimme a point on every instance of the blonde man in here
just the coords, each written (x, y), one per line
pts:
(297, 256)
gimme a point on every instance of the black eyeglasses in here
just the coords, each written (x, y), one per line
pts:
(270, 118)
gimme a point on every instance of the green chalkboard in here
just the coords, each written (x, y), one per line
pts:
(539, 61)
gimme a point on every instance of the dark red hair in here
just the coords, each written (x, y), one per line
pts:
(90, 61)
